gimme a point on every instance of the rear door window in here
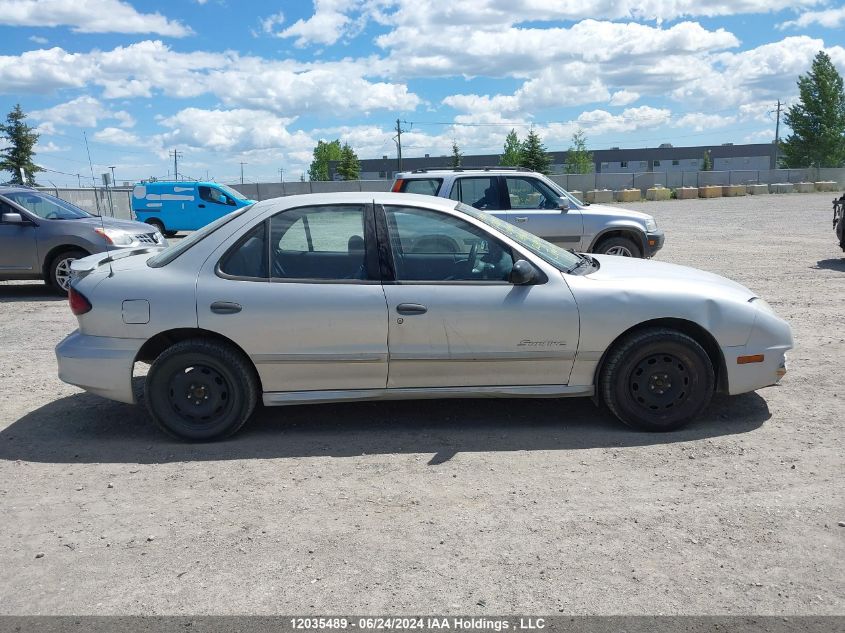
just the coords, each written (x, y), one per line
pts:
(478, 192)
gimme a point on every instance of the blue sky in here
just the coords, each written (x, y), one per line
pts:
(225, 82)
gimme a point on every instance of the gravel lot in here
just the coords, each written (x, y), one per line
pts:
(483, 507)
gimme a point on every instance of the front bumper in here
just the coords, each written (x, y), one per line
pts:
(761, 362)
(99, 364)
(653, 242)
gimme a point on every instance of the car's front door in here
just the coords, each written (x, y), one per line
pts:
(211, 203)
(18, 247)
(454, 318)
(301, 294)
(535, 207)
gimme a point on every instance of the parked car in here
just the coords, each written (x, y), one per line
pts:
(40, 236)
(173, 206)
(364, 296)
(537, 204)
(839, 220)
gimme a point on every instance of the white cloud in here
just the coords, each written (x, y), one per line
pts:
(50, 148)
(328, 24)
(38, 39)
(624, 97)
(149, 68)
(84, 111)
(828, 18)
(90, 16)
(700, 121)
(117, 136)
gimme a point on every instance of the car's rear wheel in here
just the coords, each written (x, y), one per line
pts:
(657, 380)
(59, 272)
(620, 246)
(200, 390)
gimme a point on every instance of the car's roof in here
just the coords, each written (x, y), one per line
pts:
(458, 171)
(361, 197)
(17, 188)
(181, 183)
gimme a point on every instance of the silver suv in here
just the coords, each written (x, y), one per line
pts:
(40, 236)
(535, 203)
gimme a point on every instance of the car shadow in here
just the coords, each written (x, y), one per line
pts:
(83, 428)
(36, 291)
(831, 264)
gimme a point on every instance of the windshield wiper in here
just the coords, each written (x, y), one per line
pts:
(585, 259)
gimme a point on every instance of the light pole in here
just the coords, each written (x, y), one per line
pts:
(242, 172)
(113, 183)
(281, 174)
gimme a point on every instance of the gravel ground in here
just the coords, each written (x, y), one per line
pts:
(482, 507)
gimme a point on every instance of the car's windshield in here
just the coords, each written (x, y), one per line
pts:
(174, 250)
(561, 259)
(46, 207)
(237, 195)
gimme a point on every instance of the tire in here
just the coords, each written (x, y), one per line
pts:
(657, 380)
(58, 275)
(620, 246)
(158, 224)
(200, 390)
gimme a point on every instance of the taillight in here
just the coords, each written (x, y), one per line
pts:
(78, 303)
(397, 186)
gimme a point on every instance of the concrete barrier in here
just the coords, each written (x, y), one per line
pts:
(826, 185)
(757, 190)
(600, 196)
(710, 191)
(731, 191)
(629, 195)
(658, 193)
(578, 194)
(805, 187)
(686, 193)
(781, 187)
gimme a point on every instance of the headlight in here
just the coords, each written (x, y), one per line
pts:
(650, 224)
(116, 237)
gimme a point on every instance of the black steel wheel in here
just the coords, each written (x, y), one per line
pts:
(657, 379)
(201, 390)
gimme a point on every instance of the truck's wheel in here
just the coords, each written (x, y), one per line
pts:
(621, 246)
(200, 390)
(158, 224)
(59, 272)
(657, 380)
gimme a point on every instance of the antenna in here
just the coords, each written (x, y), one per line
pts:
(97, 202)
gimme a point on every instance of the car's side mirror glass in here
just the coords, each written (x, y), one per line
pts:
(13, 218)
(523, 273)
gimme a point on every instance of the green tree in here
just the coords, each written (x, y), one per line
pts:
(18, 155)
(534, 155)
(707, 162)
(323, 153)
(818, 119)
(349, 167)
(457, 156)
(512, 155)
(578, 159)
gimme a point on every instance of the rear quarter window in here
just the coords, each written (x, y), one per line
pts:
(424, 186)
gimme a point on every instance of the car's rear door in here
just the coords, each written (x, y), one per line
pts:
(454, 318)
(535, 207)
(301, 295)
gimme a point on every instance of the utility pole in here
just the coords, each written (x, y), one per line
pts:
(242, 172)
(79, 180)
(398, 139)
(281, 174)
(176, 156)
(112, 175)
(777, 135)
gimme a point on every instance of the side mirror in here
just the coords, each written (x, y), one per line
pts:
(563, 204)
(522, 273)
(13, 218)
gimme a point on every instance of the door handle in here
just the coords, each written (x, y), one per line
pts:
(409, 309)
(521, 219)
(225, 307)
(201, 206)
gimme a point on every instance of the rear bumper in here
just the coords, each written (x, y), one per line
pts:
(99, 364)
(654, 242)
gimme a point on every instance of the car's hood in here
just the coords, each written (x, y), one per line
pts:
(130, 226)
(630, 272)
(619, 212)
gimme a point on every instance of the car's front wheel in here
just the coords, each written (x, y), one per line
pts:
(59, 271)
(200, 390)
(657, 379)
(620, 246)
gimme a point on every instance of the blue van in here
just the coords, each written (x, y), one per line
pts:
(173, 206)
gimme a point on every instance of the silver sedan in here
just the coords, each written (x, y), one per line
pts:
(342, 297)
